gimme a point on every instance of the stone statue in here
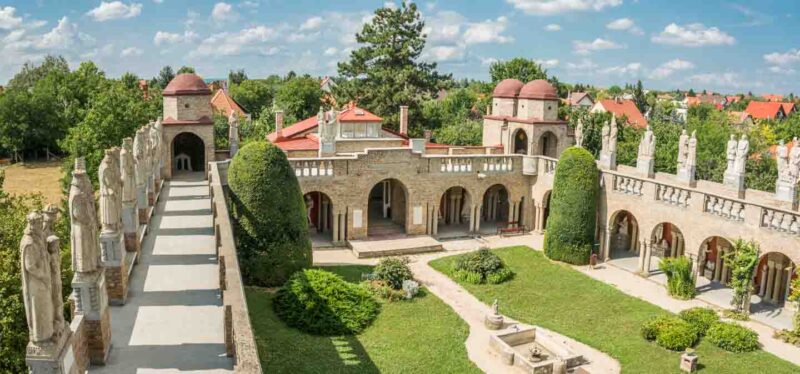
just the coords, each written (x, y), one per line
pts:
(742, 151)
(495, 308)
(155, 144)
(37, 282)
(233, 127)
(683, 145)
(309, 207)
(579, 134)
(605, 134)
(139, 154)
(731, 153)
(647, 146)
(83, 219)
(691, 152)
(782, 156)
(794, 160)
(50, 214)
(612, 136)
(110, 193)
(128, 171)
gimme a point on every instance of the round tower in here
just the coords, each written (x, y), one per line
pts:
(188, 125)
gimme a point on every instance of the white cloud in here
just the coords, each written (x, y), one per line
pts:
(105, 51)
(164, 37)
(390, 5)
(582, 65)
(249, 4)
(628, 69)
(486, 61)
(223, 12)
(131, 52)
(666, 69)
(693, 35)
(625, 24)
(551, 63)
(782, 70)
(312, 23)
(489, 31)
(728, 79)
(108, 11)
(249, 40)
(8, 20)
(444, 26)
(445, 53)
(549, 7)
(553, 27)
(331, 51)
(599, 44)
(787, 58)
(158, 1)
(60, 37)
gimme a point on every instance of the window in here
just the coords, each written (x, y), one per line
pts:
(186, 105)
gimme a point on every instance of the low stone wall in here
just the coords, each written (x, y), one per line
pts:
(238, 330)
(80, 345)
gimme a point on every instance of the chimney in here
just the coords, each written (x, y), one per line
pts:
(427, 136)
(404, 119)
(278, 124)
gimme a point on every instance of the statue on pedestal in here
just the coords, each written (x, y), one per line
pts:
(37, 281)
(612, 136)
(691, 153)
(128, 171)
(110, 192)
(53, 243)
(647, 146)
(794, 160)
(742, 151)
(782, 157)
(83, 219)
(683, 147)
(604, 133)
(139, 154)
(579, 134)
(731, 154)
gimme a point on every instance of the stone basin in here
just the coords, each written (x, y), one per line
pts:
(514, 346)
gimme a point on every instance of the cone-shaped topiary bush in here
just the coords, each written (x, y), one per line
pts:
(268, 215)
(573, 205)
(320, 302)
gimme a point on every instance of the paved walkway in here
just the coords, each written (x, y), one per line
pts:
(173, 320)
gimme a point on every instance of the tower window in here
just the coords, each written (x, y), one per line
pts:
(186, 105)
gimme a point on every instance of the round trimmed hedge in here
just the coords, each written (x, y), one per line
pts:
(670, 332)
(573, 205)
(481, 266)
(393, 271)
(700, 318)
(268, 214)
(732, 337)
(322, 303)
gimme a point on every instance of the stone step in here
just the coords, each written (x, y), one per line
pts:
(407, 245)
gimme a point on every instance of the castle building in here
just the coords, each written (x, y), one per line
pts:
(188, 124)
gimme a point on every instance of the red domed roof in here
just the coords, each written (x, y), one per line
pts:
(507, 88)
(538, 89)
(186, 84)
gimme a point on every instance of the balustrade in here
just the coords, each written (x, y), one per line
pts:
(673, 195)
(777, 220)
(313, 168)
(550, 166)
(498, 164)
(627, 185)
(729, 209)
(455, 165)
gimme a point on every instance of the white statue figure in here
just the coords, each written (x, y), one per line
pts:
(155, 144)
(233, 127)
(612, 136)
(579, 134)
(731, 153)
(691, 151)
(647, 146)
(110, 193)
(37, 282)
(623, 226)
(84, 239)
(139, 154)
(127, 171)
(148, 150)
(495, 308)
(50, 214)
(309, 207)
(683, 147)
(794, 160)
(742, 151)
(782, 156)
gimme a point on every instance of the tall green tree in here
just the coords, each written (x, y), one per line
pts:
(186, 70)
(253, 95)
(299, 98)
(522, 69)
(165, 76)
(386, 71)
(236, 76)
(639, 97)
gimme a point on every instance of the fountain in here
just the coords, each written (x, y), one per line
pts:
(520, 346)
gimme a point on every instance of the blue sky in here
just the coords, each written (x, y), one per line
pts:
(728, 46)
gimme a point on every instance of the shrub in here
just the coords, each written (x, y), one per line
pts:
(732, 337)
(499, 276)
(394, 271)
(669, 332)
(384, 290)
(680, 284)
(700, 318)
(320, 302)
(736, 315)
(268, 214)
(411, 288)
(468, 276)
(571, 224)
(481, 266)
(652, 326)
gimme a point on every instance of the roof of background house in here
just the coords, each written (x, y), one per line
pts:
(738, 118)
(788, 108)
(764, 109)
(627, 108)
(576, 97)
(772, 97)
(186, 84)
(222, 102)
(732, 98)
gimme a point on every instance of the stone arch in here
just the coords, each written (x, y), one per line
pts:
(548, 144)
(774, 274)
(455, 214)
(520, 142)
(667, 240)
(495, 207)
(710, 259)
(319, 214)
(387, 207)
(188, 153)
(623, 228)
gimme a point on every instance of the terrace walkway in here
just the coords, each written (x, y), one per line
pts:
(173, 320)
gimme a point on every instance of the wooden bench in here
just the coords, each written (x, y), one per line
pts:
(511, 228)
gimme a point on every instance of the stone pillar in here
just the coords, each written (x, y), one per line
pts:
(776, 292)
(139, 153)
(718, 264)
(762, 288)
(324, 215)
(788, 288)
(725, 270)
(648, 258)
(673, 247)
(436, 221)
(770, 280)
(607, 244)
(645, 166)
(478, 219)
(130, 214)
(642, 255)
(336, 238)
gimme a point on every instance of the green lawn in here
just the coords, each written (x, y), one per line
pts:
(419, 336)
(559, 298)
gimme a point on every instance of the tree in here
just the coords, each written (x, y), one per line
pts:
(299, 98)
(573, 205)
(253, 95)
(742, 261)
(165, 76)
(614, 91)
(236, 77)
(186, 70)
(639, 97)
(522, 69)
(386, 71)
(469, 132)
(269, 215)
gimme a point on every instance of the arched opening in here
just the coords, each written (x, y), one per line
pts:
(774, 275)
(624, 235)
(520, 142)
(548, 145)
(188, 153)
(546, 209)
(666, 241)
(387, 209)
(495, 209)
(711, 265)
(319, 213)
(455, 213)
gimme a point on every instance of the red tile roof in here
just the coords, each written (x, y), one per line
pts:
(305, 143)
(222, 102)
(297, 128)
(355, 114)
(764, 110)
(772, 97)
(788, 108)
(186, 84)
(625, 108)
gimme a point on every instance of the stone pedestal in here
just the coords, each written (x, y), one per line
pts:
(608, 161)
(130, 225)
(734, 181)
(687, 175)
(688, 362)
(493, 321)
(151, 191)
(234, 148)
(141, 203)
(91, 301)
(113, 259)
(52, 357)
(785, 191)
(645, 167)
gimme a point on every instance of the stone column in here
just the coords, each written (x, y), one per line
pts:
(436, 221)
(788, 289)
(335, 238)
(478, 219)
(776, 292)
(642, 255)
(718, 264)
(770, 280)
(724, 273)
(607, 244)
(762, 287)
(325, 209)
(648, 258)
(130, 214)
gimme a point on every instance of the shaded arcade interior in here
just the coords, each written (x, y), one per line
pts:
(188, 153)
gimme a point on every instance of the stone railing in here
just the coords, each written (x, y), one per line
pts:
(313, 168)
(239, 337)
(627, 185)
(673, 195)
(726, 208)
(778, 220)
(455, 165)
(497, 163)
(549, 164)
